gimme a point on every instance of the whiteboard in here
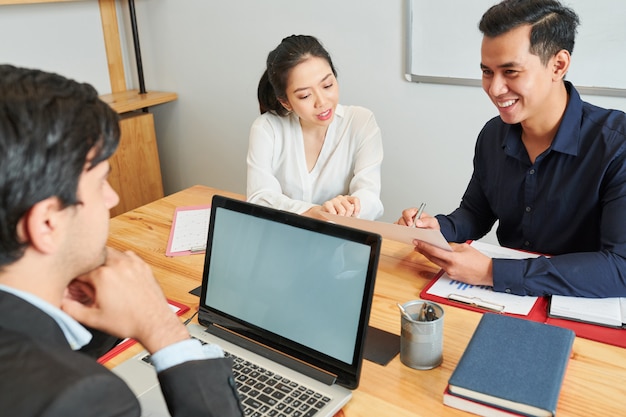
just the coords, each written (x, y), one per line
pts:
(443, 43)
(65, 38)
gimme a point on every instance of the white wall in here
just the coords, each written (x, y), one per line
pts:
(212, 54)
(58, 37)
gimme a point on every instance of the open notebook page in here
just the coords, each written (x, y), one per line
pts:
(605, 311)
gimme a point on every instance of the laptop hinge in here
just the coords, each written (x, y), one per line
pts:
(272, 355)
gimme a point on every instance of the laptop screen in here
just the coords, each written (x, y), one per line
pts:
(296, 284)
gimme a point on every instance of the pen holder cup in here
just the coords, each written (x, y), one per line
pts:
(421, 342)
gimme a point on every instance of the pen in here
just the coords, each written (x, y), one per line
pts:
(419, 213)
(404, 312)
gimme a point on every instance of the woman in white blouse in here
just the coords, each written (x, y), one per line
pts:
(307, 152)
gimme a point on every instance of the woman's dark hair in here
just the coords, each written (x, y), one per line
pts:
(49, 125)
(292, 50)
(553, 25)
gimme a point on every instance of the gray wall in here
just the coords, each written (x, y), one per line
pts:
(212, 54)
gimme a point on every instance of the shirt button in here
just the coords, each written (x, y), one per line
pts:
(531, 172)
(508, 291)
(527, 243)
(528, 209)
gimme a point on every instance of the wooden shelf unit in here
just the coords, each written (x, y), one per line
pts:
(136, 169)
(131, 100)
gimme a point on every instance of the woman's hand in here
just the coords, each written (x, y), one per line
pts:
(343, 205)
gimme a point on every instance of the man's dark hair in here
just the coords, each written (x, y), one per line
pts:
(48, 127)
(553, 25)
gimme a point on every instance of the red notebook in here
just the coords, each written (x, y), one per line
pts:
(126, 343)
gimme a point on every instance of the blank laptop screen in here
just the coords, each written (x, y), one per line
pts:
(302, 285)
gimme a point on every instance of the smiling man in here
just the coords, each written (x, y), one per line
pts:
(550, 168)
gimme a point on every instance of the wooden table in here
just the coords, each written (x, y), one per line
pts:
(595, 381)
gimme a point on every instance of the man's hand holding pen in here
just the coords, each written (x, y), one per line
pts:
(416, 217)
(464, 263)
(420, 211)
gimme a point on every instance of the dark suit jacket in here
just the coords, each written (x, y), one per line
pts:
(40, 375)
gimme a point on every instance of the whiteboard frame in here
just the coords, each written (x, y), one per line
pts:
(474, 82)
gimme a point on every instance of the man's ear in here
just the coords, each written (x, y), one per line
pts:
(41, 225)
(560, 64)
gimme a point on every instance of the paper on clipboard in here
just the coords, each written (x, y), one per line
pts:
(483, 296)
(392, 231)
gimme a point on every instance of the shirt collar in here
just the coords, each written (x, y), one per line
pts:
(339, 110)
(567, 136)
(75, 334)
(567, 139)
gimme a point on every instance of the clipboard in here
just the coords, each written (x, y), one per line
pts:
(481, 298)
(190, 227)
(178, 308)
(538, 312)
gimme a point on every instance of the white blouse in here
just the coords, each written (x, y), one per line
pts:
(349, 162)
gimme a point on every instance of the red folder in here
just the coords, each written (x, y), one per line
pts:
(539, 312)
(603, 334)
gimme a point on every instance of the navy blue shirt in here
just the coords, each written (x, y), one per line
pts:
(569, 204)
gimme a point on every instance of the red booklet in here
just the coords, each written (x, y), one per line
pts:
(178, 308)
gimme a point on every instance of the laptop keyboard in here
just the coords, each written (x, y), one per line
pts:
(265, 393)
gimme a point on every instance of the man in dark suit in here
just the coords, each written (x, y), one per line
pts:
(57, 275)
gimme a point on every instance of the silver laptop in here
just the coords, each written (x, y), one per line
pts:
(289, 298)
